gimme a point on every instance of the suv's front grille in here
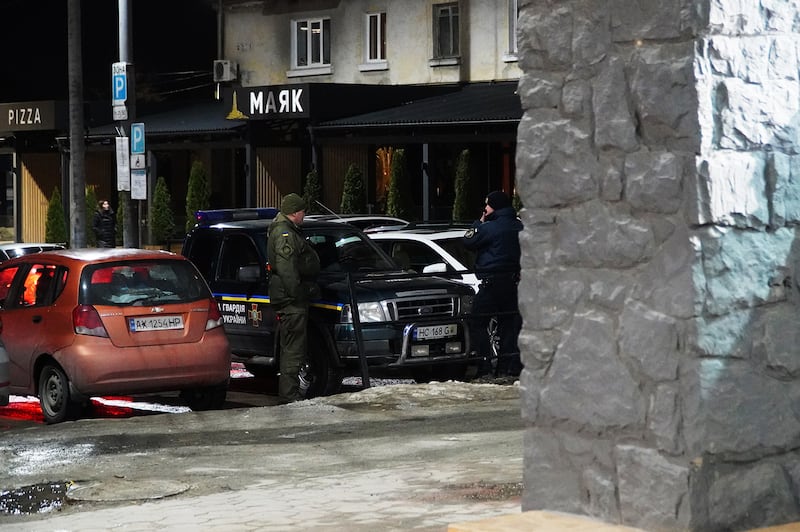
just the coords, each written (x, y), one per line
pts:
(423, 307)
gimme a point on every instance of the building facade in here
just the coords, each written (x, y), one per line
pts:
(308, 85)
(326, 84)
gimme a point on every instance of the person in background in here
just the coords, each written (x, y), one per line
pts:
(105, 225)
(293, 267)
(495, 240)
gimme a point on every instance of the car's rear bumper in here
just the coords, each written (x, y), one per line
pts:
(94, 369)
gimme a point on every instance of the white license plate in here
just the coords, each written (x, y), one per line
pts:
(435, 331)
(155, 323)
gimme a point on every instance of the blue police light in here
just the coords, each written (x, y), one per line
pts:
(212, 216)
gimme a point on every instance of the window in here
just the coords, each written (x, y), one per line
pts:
(312, 42)
(6, 276)
(142, 283)
(376, 37)
(36, 288)
(513, 14)
(445, 30)
(237, 251)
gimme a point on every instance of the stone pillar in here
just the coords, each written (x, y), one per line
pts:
(658, 165)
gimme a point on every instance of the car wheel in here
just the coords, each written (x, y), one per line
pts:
(54, 398)
(326, 379)
(211, 398)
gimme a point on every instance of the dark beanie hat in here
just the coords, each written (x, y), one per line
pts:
(498, 200)
(292, 203)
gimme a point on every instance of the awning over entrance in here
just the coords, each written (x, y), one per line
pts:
(476, 111)
(190, 119)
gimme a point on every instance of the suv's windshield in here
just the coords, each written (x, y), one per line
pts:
(346, 250)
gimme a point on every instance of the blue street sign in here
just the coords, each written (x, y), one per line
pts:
(137, 138)
(120, 86)
(119, 83)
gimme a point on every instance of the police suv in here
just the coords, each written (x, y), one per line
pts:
(407, 325)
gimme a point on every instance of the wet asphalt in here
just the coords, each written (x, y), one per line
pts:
(400, 457)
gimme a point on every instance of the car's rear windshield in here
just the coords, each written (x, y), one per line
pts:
(142, 283)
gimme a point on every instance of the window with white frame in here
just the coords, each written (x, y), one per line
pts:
(445, 30)
(311, 43)
(376, 38)
(513, 14)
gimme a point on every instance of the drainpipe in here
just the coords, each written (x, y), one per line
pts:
(219, 29)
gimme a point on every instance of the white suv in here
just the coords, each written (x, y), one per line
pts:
(430, 249)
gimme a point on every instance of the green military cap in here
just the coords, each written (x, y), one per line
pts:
(292, 203)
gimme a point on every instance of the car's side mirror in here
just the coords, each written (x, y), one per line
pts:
(249, 274)
(436, 267)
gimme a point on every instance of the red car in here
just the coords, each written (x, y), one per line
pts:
(88, 322)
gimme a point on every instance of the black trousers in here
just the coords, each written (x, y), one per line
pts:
(497, 297)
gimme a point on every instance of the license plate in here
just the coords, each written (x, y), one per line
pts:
(435, 331)
(155, 323)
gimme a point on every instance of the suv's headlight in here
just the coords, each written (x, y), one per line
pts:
(371, 312)
(466, 303)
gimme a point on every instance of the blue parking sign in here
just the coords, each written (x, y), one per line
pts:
(137, 138)
(120, 87)
(119, 83)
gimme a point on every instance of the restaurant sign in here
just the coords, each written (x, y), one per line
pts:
(28, 116)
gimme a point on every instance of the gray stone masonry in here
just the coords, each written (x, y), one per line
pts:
(658, 165)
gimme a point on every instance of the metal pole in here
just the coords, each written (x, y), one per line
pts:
(77, 147)
(130, 228)
(426, 185)
(357, 330)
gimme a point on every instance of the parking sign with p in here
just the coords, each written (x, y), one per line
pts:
(119, 83)
(137, 138)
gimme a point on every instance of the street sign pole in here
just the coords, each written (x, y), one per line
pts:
(125, 112)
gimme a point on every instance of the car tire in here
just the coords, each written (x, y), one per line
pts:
(211, 398)
(326, 379)
(54, 396)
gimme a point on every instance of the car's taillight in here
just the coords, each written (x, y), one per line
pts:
(214, 315)
(86, 320)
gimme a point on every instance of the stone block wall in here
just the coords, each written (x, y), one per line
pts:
(657, 160)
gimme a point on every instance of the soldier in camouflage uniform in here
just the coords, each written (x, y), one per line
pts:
(294, 266)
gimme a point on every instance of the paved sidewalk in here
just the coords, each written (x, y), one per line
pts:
(378, 460)
(377, 500)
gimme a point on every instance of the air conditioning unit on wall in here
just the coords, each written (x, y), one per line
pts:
(225, 70)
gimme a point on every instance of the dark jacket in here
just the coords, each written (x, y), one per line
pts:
(293, 266)
(105, 227)
(496, 243)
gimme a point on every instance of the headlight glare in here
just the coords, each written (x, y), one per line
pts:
(367, 313)
(371, 312)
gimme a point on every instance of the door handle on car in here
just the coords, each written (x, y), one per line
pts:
(36, 319)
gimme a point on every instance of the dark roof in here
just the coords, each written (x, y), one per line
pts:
(487, 104)
(479, 103)
(207, 116)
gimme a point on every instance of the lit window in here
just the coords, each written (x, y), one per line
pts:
(312, 42)
(445, 30)
(376, 37)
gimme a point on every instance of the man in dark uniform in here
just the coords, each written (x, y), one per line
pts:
(293, 266)
(495, 239)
